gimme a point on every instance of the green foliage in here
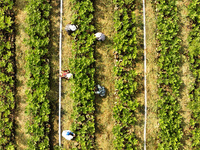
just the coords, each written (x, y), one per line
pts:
(126, 48)
(82, 64)
(194, 58)
(37, 66)
(169, 80)
(7, 101)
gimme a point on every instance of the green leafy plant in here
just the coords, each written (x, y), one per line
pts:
(7, 75)
(37, 66)
(194, 57)
(82, 64)
(126, 48)
(169, 81)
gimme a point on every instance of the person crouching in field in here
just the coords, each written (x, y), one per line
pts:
(100, 36)
(66, 74)
(100, 90)
(68, 135)
(70, 28)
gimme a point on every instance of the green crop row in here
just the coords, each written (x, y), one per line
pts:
(37, 72)
(169, 81)
(7, 75)
(125, 44)
(194, 58)
(82, 65)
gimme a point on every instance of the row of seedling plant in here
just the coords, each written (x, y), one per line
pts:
(169, 80)
(7, 75)
(37, 72)
(82, 65)
(194, 59)
(125, 46)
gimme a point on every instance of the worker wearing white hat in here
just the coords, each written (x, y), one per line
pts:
(68, 135)
(70, 28)
(100, 36)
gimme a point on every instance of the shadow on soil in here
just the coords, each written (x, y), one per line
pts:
(20, 137)
(54, 81)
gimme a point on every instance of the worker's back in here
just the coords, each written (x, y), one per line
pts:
(70, 28)
(100, 36)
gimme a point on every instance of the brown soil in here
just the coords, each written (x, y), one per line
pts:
(152, 70)
(20, 119)
(186, 75)
(104, 75)
(139, 126)
(54, 71)
(67, 102)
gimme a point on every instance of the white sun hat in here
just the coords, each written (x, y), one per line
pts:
(73, 27)
(98, 34)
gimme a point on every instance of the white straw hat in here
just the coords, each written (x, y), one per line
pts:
(72, 27)
(98, 34)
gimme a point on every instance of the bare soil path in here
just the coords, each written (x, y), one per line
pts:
(186, 75)
(67, 102)
(54, 71)
(139, 125)
(21, 118)
(103, 17)
(152, 70)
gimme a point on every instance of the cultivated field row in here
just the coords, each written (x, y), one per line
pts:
(7, 75)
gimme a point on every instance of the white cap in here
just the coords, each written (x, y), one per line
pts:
(69, 75)
(98, 34)
(73, 27)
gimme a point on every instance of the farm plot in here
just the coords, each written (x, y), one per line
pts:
(101, 77)
(116, 120)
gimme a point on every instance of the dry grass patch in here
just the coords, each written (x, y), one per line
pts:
(186, 75)
(54, 71)
(20, 117)
(104, 75)
(152, 71)
(67, 102)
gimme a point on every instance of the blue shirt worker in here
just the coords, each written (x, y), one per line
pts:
(100, 36)
(100, 90)
(68, 135)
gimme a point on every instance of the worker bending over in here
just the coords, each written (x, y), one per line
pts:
(100, 90)
(70, 28)
(68, 135)
(100, 36)
(66, 74)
